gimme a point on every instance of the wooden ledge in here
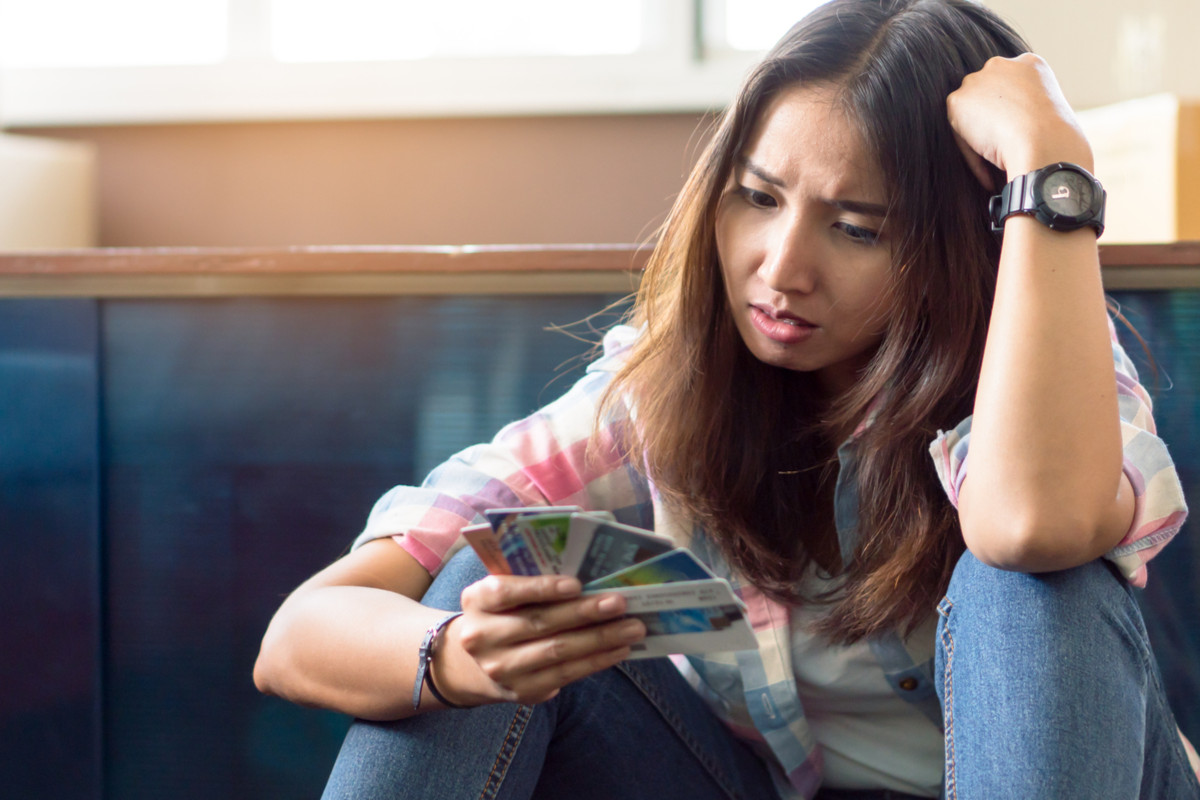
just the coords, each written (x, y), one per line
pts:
(1173, 265)
(1177, 254)
(328, 260)
(468, 269)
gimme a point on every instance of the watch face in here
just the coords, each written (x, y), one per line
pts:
(1067, 193)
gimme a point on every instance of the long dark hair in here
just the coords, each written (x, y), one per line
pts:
(748, 450)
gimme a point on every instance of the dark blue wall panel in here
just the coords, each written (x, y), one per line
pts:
(1169, 322)
(246, 441)
(50, 612)
(226, 449)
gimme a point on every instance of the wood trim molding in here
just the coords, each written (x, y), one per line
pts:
(328, 260)
(190, 272)
(1173, 254)
(1172, 265)
(467, 269)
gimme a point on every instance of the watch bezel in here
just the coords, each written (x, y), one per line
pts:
(1023, 195)
(1055, 219)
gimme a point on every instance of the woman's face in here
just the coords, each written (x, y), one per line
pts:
(800, 234)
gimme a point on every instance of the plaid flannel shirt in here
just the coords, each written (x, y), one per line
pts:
(544, 459)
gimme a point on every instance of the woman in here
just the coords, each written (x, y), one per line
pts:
(827, 306)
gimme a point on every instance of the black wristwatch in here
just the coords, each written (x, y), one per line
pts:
(1063, 196)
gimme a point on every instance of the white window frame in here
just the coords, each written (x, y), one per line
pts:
(681, 75)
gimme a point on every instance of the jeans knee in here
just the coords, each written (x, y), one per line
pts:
(457, 574)
(1088, 603)
(1085, 588)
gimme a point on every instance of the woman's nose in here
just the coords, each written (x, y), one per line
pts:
(789, 258)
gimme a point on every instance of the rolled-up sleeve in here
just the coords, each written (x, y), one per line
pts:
(548, 458)
(1159, 505)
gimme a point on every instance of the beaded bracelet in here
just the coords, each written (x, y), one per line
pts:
(425, 659)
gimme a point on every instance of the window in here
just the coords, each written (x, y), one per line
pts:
(752, 25)
(66, 62)
(88, 33)
(382, 30)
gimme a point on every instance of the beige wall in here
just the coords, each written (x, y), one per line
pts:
(460, 181)
(520, 180)
(1104, 51)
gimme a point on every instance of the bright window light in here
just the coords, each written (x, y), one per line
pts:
(89, 33)
(758, 24)
(384, 30)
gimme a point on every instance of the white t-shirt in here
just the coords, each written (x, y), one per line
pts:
(870, 737)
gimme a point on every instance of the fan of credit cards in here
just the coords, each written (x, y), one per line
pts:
(685, 607)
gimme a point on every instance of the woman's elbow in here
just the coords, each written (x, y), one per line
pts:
(270, 666)
(1035, 541)
(263, 674)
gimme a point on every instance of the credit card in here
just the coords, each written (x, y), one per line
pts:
(688, 617)
(596, 548)
(670, 567)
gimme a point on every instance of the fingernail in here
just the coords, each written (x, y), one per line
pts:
(630, 629)
(609, 604)
(566, 586)
(620, 654)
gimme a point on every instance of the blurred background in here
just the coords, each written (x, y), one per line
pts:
(286, 122)
(170, 467)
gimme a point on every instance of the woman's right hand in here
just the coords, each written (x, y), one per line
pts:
(521, 639)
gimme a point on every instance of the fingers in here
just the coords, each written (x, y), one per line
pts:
(1012, 113)
(530, 636)
(567, 646)
(536, 670)
(980, 167)
(540, 686)
(494, 614)
(539, 606)
(497, 593)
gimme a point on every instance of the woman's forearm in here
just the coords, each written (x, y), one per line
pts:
(352, 649)
(1045, 488)
(347, 639)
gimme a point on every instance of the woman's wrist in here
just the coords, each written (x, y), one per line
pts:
(453, 671)
(425, 651)
(1048, 150)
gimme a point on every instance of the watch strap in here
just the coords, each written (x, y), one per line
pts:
(1018, 197)
(425, 660)
(1015, 198)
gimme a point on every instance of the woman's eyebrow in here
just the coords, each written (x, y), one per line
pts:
(857, 207)
(851, 206)
(754, 169)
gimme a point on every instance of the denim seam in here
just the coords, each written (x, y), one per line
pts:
(1139, 643)
(951, 785)
(684, 735)
(504, 759)
(1176, 752)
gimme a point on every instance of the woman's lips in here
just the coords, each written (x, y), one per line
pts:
(780, 326)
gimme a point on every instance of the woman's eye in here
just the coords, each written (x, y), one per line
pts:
(756, 198)
(858, 233)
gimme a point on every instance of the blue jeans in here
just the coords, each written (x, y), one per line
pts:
(637, 730)
(1048, 687)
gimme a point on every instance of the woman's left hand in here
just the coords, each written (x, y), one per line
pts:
(1046, 490)
(1012, 114)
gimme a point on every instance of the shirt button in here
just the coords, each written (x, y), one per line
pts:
(908, 684)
